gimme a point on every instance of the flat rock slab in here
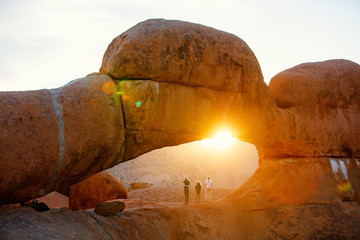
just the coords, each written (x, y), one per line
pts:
(109, 208)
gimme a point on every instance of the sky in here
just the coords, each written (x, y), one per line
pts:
(48, 43)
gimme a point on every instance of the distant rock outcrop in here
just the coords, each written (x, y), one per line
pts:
(137, 185)
(95, 190)
(166, 167)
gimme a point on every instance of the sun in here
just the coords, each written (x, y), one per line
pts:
(222, 140)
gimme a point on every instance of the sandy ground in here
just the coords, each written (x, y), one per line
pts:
(155, 194)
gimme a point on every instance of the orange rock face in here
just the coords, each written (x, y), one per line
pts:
(323, 102)
(178, 81)
(182, 81)
(53, 138)
(183, 53)
(28, 144)
(95, 190)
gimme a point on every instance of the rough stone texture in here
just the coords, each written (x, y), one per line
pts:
(183, 53)
(50, 139)
(292, 181)
(109, 208)
(138, 185)
(28, 144)
(274, 204)
(145, 220)
(324, 102)
(181, 81)
(95, 190)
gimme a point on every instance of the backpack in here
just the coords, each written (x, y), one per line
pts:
(198, 187)
(186, 182)
(40, 207)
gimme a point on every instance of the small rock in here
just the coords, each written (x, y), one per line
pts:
(109, 208)
(137, 185)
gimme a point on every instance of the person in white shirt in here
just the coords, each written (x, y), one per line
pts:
(208, 189)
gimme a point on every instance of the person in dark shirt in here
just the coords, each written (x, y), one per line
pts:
(186, 189)
(198, 191)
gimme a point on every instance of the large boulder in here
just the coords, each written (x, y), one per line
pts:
(51, 139)
(324, 102)
(183, 53)
(96, 190)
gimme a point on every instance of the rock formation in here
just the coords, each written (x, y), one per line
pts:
(51, 139)
(95, 190)
(177, 82)
(180, 81)
(323, 101)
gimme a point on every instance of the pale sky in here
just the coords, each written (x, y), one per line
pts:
(48, 43)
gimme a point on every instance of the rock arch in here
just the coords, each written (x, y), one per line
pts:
(171, 82)
(170, 69)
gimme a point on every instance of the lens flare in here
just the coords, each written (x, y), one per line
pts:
(344, 187)
(138, 104)
(109, 87)
(124, 97)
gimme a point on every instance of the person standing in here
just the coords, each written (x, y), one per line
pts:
(198, 191)
(186, 188)
(208, 190)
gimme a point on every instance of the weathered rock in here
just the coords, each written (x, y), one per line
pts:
(178, 82)
(324, 103)
(95, 190)
(138, 185)
(109, 208)
(182, 81)
(51, 139)
(146, 220)
(28, 125)
(183, 53)
(291, 181)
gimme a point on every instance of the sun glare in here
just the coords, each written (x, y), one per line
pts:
(222, 140)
